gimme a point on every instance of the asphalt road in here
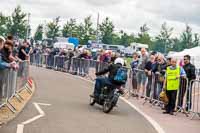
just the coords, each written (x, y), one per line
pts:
(70, 111)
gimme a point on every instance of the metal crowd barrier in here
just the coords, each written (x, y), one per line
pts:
(59, 63)
(12, 82)
(150, 84)
(182, 96)
(82, 66)
(198, 74)
(37, 59)
(194, 98)
(63, 63)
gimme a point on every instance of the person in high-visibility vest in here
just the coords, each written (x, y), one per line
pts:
(171, 84)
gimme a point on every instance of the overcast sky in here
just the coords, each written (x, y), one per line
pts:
(127, 15)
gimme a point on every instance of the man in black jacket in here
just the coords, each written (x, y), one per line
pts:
(107, 81)
(190, 71)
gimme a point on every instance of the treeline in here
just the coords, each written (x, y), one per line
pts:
(17, 25)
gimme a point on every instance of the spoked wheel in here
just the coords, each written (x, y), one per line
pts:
(107, 107)
(92, 101)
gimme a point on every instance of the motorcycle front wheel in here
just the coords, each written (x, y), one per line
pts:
(107, 107)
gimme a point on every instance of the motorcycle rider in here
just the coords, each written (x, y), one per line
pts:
(108, 81)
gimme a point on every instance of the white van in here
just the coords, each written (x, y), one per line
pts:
(134, 47)
(138, 46)
(63, 45)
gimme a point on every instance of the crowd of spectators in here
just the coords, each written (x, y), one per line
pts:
(150, 76)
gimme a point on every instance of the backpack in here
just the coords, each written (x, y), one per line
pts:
(121, 76)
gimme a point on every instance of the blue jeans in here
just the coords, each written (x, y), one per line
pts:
(100, 83)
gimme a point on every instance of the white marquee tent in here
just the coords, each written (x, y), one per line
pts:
(193, 52)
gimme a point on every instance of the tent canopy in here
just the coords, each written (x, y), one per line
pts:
(193, 52)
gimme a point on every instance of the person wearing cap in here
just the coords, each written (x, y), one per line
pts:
(107, 81)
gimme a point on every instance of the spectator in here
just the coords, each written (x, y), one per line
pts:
(190, 72)
(4, 63)
(159, 70)
(5, 54)
(141, 74)
(171, 84)
(15, 53)
(70, 56)
(134, 66)
(23, 55)
(6, 51)
(37, 53)
(28, 49)
(148, 70)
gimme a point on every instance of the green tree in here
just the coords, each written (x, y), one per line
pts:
(186, 38)
(126, 39)
(88, 33)
(69, 28)
(176, 43)
(116, 39)
(3, 25)
(17, 23)
(196, 41)
(106, 30)
(39, 33)
(79, 32)
(53, 29)
(143, 35)
(163, 40)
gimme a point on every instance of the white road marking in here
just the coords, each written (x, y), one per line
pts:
(20, 127)
(44, 104)
(156, 126)
(32, 119)
(39, 109)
